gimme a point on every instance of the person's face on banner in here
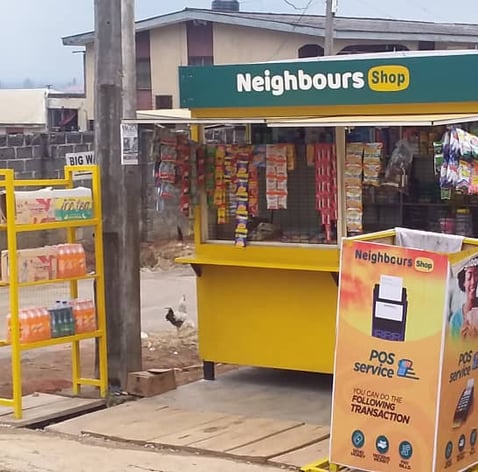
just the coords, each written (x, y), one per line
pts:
(471, 281)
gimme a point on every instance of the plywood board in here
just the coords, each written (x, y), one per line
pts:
(152, 424)
(250, 430)
(286, 441)
(110, 416)
(303, 456)
(32, 401)
(51, 411)
(201, 432)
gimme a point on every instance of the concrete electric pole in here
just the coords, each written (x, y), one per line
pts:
(120, 219)
(330, 11)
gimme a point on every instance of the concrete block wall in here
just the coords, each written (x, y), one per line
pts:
(41, 156)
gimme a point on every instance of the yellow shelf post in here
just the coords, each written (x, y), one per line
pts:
(13, 294)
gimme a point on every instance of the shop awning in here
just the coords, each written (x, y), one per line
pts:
(182, 116)
(376, 120)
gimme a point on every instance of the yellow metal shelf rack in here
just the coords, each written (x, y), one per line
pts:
(9, 184)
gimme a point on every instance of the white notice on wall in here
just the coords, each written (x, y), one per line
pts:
(129, 144)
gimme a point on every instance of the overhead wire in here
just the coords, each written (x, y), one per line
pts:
(294, 26)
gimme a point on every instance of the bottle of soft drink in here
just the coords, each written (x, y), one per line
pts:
(33, 316)
(25, 326)
(81, 260)
(91, 315)
(55, 320)
(69, 322)
(69, 260)
(78, 315)
(44, 324)
(9, 328)
(61, 261)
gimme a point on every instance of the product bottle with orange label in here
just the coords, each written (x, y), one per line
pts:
(61, 261)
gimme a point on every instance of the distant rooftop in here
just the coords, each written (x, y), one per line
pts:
(345, 28)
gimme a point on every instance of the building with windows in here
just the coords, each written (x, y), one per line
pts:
(226, 35)
(28, 111)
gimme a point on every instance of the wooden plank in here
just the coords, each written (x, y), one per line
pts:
(250, 430)
(32, 401)
(201, 432)
(281, 443)
(112, 415)
(152, 424)
(303, 456)
(51, 411)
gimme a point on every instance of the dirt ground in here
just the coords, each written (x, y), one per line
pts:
(49, 371)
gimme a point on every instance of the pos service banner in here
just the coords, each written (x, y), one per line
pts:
(391, 314)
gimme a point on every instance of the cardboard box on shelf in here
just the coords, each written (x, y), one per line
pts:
(48, 205)
(73, 204)
(33, 264)
(148, 383)
(31, 207)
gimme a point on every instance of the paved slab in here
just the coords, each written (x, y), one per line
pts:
(41, 407)
(253, 414)
(26, 451)
(264, 393)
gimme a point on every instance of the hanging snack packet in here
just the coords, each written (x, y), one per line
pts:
(259, 155)
(310, 155)
(353, 197)
(463, 182)
(253, 191)
(372, 152)
(291, 157)
(353, 217)
(437, 156)
(474, 178)
(354, 153)
(371, 174)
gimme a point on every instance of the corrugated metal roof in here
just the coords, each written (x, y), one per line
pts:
(345, 28)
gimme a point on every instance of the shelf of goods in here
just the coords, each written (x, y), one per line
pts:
(62, 267)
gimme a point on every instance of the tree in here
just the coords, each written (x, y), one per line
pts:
(28, 84)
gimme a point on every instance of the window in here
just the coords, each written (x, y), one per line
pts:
(200, 61)
(311, 50)
(164, 102)
(143, 74)
(370, 48)
(300, 222)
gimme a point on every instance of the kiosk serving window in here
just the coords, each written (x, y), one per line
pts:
(291, 188)
(422, 177)
(416, 177)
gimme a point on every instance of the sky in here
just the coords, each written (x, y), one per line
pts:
(31, 30)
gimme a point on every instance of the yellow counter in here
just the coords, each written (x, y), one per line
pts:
(267, 306)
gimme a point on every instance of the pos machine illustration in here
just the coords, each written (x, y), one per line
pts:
(390, 306)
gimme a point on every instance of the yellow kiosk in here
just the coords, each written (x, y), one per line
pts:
(273, 302)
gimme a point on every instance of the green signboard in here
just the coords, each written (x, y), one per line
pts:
(435, 78)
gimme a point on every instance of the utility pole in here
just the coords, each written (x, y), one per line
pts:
(330, 11)
(131, 204)
(120, 249)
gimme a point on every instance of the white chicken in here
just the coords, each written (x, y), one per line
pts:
(180, 318)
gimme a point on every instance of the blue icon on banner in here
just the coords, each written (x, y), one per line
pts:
(405, 450)
(358, 439)
(473, 437)
(382, 444)
(448, 450)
